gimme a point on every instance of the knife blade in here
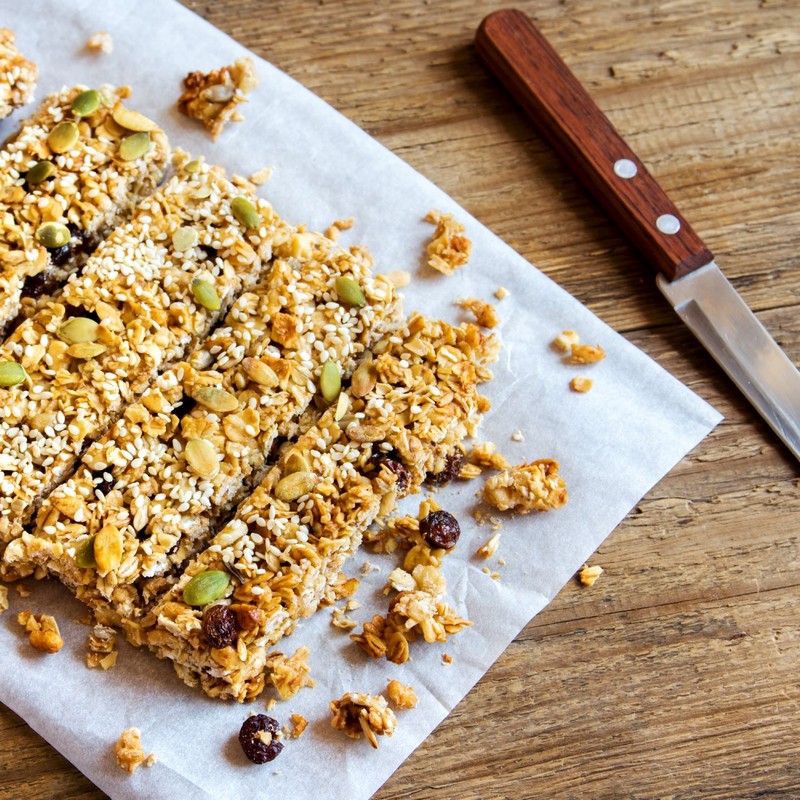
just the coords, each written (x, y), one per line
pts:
(520, 56)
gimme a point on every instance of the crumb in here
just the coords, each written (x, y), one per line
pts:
(129, 752)
(501, 562)
(399, 278)
(585, 354)
(484, 455)
(3, 599)
(581, 385)
(289, 674)
(469, 471)
(485, 314)
(517, 436)
(86, 619)
(344, 586)
(338, 226)
(490, 548)
(367, 568)
(501, 293)
(42, 631)
(261, 177)
(100, 648)
(401, 695)
(566, 340)
(357, 713)
(447, 658)
(400, 581)
(212, 97)
(101, 42)
(299, 724)
(527, 487)
(22, 589)
(449, 249)
(588, 575)
(352, 605)
(271, 703)
(340, 620)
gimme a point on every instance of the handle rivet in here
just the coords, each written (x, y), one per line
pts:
(668, 223)
(625, 168)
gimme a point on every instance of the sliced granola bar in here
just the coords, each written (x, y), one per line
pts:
(290, 538)
(68, 177)
(154, 287)
(182, 456)
(17, 75)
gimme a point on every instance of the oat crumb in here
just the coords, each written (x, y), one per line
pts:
(566, 340)
(450, 248)
(261, 177)
(490, 548)
(340, 620)
(485, 454)
(581, 385)
(588, 575)
(367, 568)
(399, 278)
(517, 436)
(501, 293)
(129, 752)
(22, 589)
(299, 724)
(339, 225)
(101, 42)
(585, 354)
(3, 599)
(527, 487)
(469, 471)
(101, 648)
(42, 630)
(484, 313)
(271, 703)
(289, 674)
(401, 695)
(447, 658)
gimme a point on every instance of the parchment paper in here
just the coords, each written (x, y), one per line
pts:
(613, 443)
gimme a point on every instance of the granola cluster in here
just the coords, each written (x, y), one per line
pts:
(289, 674)
(42, 630)
(528, 487)
(450, 248)
(357, 714)
(17, 75)
(129, 752)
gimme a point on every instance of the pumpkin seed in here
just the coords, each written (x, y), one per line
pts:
(132, 120)
(202, 458)
(77, 330)
(86, 350)
(53, 235)
(108, 547)
(295, 462)
(39, 172)
(84, 556)
(364, 379)
(342, 406)
(206, 587)
(184, 238)
(330, 380)
(193, 166)
(134, 146)
(216, 399)
(245, 212)
(349, 291)
(86, 103)
(63, 137)
(295, 485)
(11, 374)
(260, 373)
(206, 294)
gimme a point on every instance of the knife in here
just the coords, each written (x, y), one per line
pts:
(519, 55)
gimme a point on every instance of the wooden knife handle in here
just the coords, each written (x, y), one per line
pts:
(577, 129)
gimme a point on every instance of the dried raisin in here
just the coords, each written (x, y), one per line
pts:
(392, 463)
(259, 738)
(452, 466)
(220, 626)
(440, 529)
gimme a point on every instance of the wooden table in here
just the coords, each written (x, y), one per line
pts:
(676, 675)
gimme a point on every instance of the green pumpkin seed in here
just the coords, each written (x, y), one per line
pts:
(206, 294)
(349, 291)
(11, 373)
(86, 103)
(84, 557)
(53, 234)
(295, 486)
(216, 399)
(63, 137)
(202, 458)
(184, 239)
(39, 172)
(77, 330)
(364, 378)
(86, 350)
(132, 120)
(193, 166)
(206, 587)
(245, 212)
(296, 462)
(330, 381)
(134, 146)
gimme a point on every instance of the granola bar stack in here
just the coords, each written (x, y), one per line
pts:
(17, 75)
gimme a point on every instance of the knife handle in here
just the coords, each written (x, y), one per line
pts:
(577, 129)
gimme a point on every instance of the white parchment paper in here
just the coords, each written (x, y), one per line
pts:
(613, 443)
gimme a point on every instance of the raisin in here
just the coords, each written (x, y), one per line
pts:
(251, 738)
(209, 251)
(59, 255)
(452, 466)
(37, 285)
(105, 485)
(392, 462)
(440, 529)
(220, 626)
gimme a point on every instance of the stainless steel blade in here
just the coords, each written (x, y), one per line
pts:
(729, 330)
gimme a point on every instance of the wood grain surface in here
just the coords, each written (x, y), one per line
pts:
(676, 675)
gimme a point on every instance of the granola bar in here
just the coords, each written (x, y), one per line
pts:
(150, 287)
(66, 180)
(17, 75)
(290, 538)
(164, 473)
